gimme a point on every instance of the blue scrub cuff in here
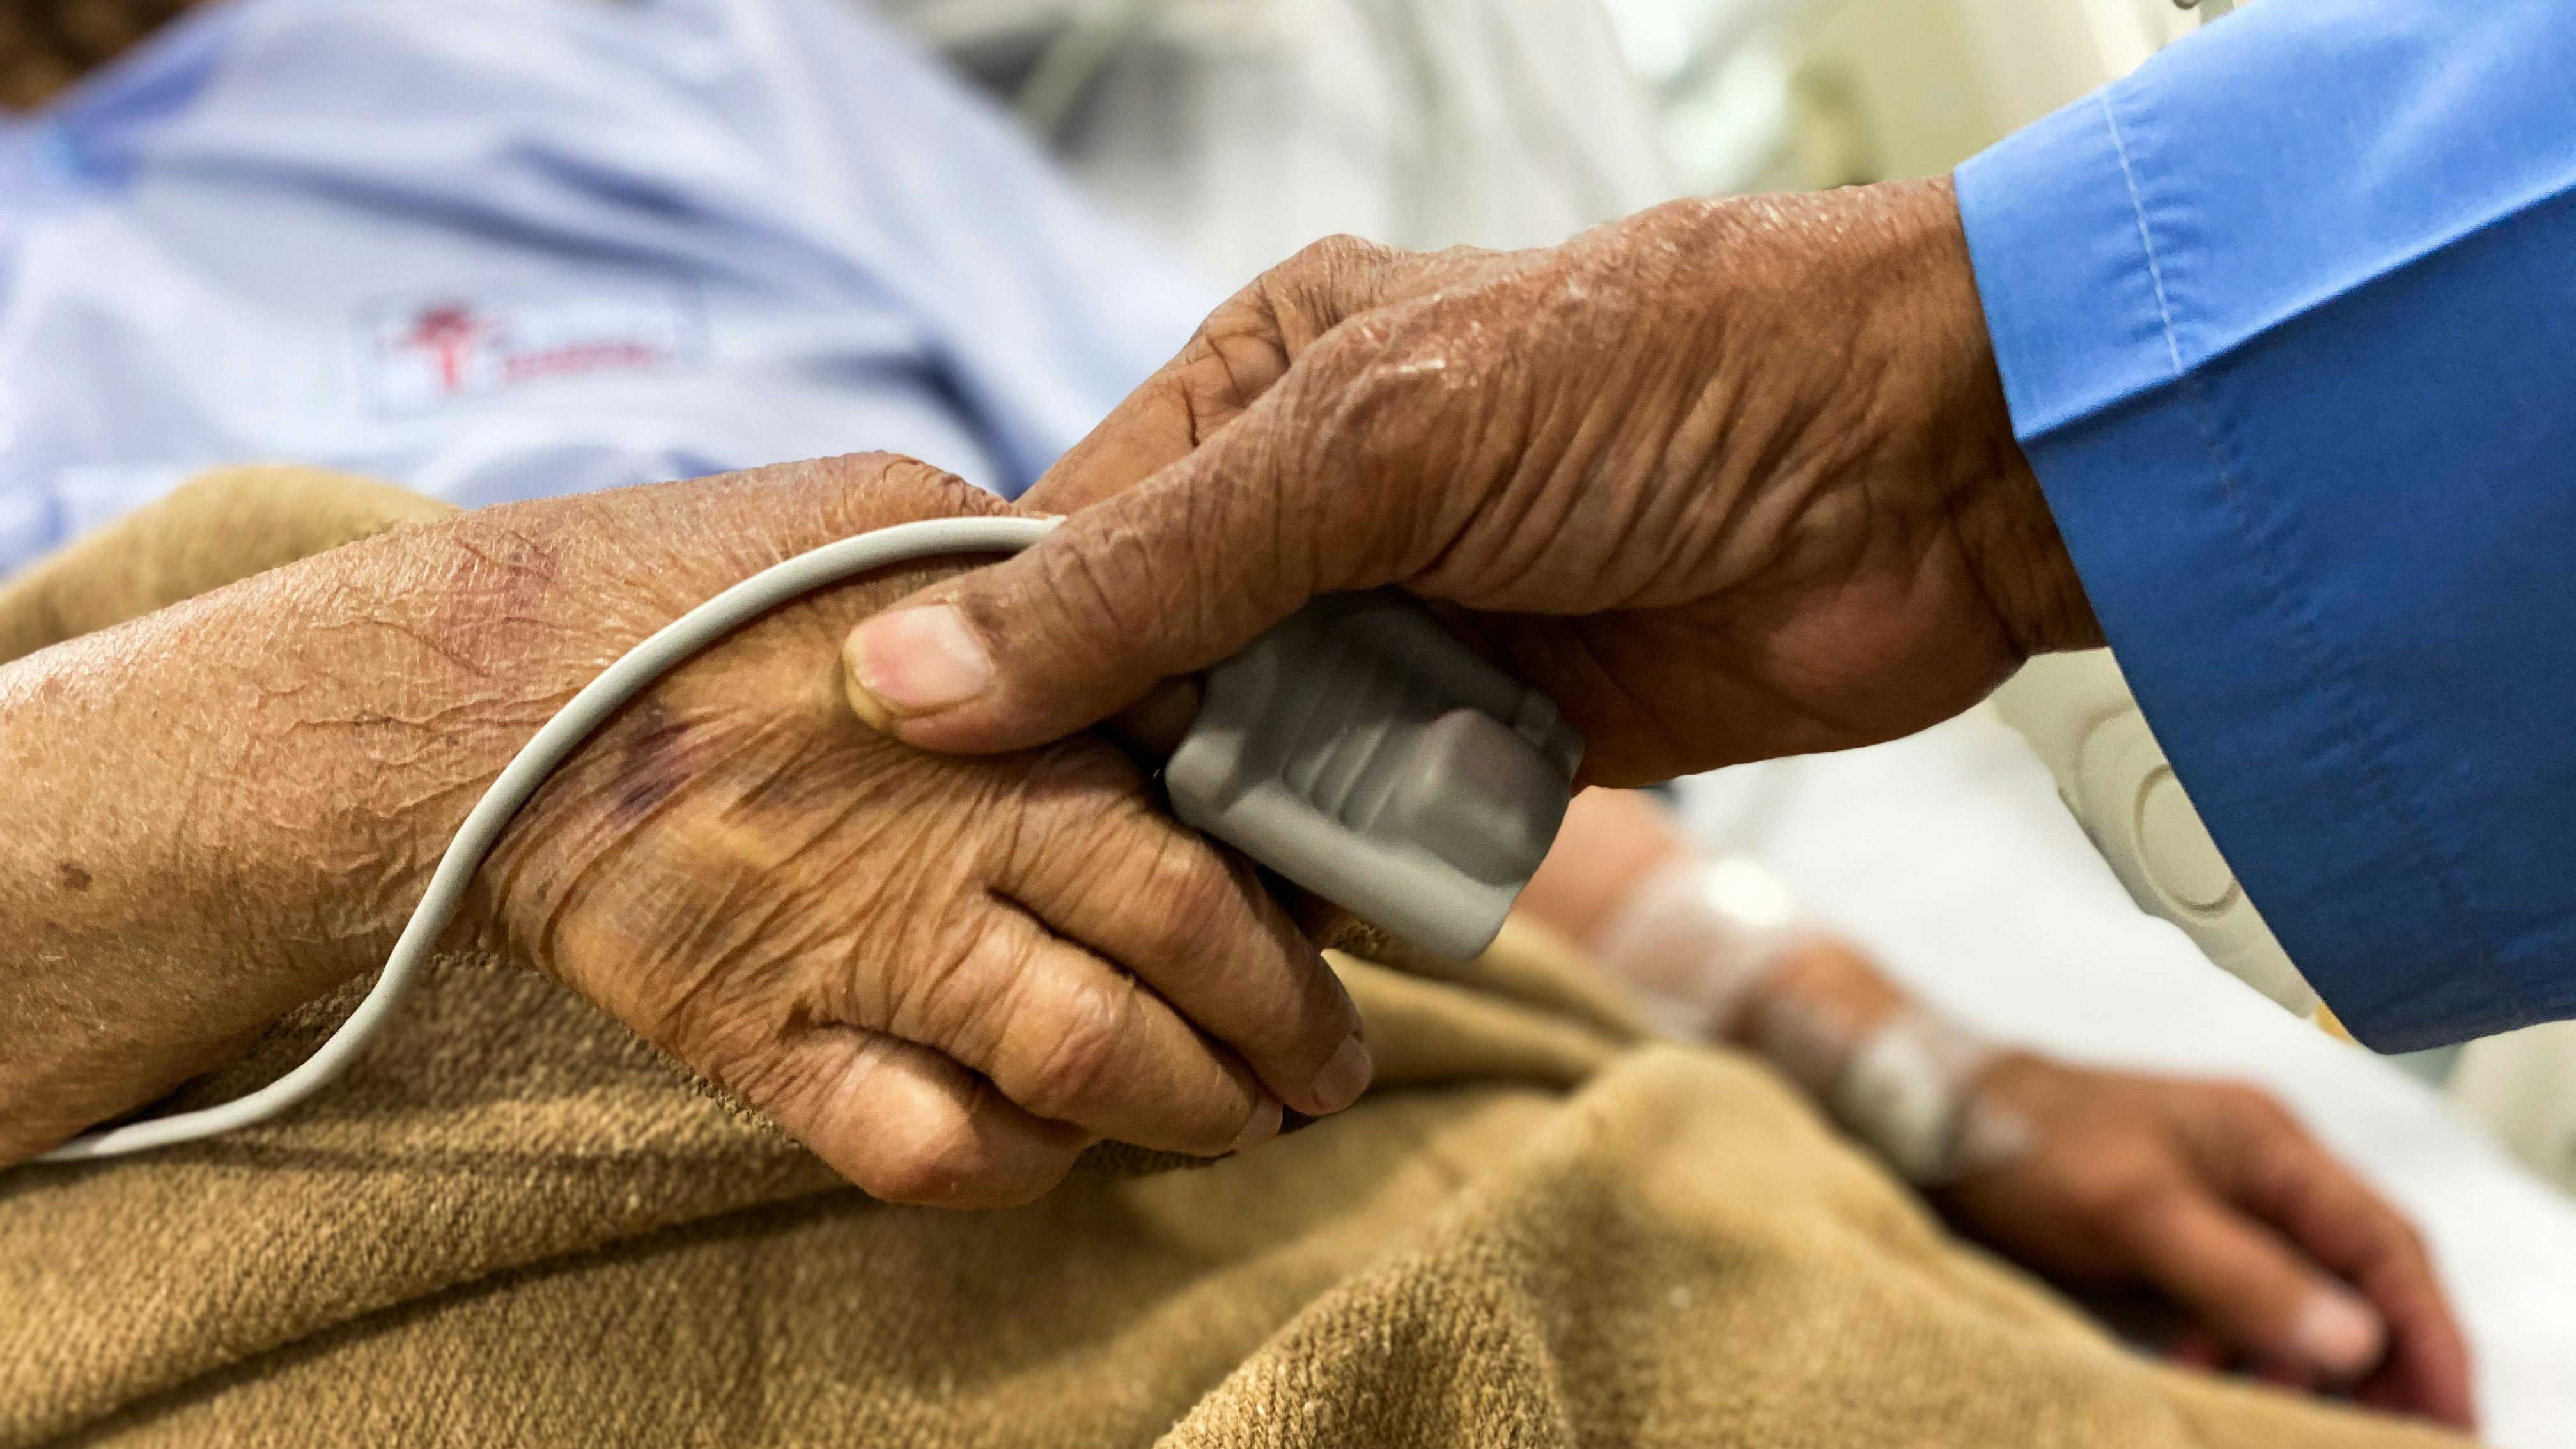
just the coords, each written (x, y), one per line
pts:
(2193, 567)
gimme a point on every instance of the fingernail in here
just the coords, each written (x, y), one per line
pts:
(913, 661)
(2339, 1333)
(1261, 1126)
(1343, 1078)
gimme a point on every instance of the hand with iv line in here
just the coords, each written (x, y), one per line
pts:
(2207, 1195)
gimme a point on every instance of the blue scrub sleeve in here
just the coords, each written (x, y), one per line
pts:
(2287, 323)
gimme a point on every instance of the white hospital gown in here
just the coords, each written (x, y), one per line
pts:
(493, 249)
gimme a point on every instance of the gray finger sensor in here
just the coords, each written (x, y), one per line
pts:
(1364, 753)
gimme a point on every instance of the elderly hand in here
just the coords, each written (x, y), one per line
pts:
(2208, 1194)
(945, 976)
(2214, 1196)
(1726, 479)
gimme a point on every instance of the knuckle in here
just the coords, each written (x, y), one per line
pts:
(1236, 357)
(1462, 257)
(2237, 1095)
(953, 989)
(2412, 1244)
(1105, 588)
(2132, 1199)
(1086, 1035)
(1334, 256)
(2261, 1110)
(1069, 789)
(1399, 386)
(860, 483)
(1099, 578)
(951, 493)
(2095, 1194)
(1187, 893)
(942, 1160)
(903, 1178)
(2405, 1241)
(1047, 829)
(1325, 282)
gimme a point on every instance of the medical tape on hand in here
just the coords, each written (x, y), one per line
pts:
(1905, 1090)
(1697, 937)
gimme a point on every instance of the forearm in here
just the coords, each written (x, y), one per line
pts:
(226, 807)
(230, 806)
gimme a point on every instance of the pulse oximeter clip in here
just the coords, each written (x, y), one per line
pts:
(1362, 752)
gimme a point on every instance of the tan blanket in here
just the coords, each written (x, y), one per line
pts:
(513, 1224)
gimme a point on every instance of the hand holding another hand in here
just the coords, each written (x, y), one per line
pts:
(945, 976)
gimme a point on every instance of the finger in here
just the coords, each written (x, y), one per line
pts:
(908, 1125)
(1237, 354)
(1194, 924)
(2249, 1287)
(2198, 1348)
(2289, 1181)
(1073, 1039)
(1243, 348)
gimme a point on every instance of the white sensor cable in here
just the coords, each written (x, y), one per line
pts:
(631, 675)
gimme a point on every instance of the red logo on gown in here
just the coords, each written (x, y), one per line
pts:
(449, 333)
(424, 352)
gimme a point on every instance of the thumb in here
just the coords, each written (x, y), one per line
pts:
(1164, 579)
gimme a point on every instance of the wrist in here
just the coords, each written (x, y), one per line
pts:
(1815, 1009)
(1915, 419)
(1849, 326)
(1905, 1081)
(1991, 497)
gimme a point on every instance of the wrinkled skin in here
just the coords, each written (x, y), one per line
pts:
(945, 976)
(2213, 1195)
(1759, 447)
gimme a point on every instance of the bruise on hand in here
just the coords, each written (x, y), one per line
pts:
(655, 755)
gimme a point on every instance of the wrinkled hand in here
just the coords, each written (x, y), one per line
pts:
(1726, 479)
(2213, 1195)
(947, 977)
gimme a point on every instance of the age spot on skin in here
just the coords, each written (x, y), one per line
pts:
(72, 876)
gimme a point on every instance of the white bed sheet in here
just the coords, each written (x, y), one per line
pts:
(1950, 855)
